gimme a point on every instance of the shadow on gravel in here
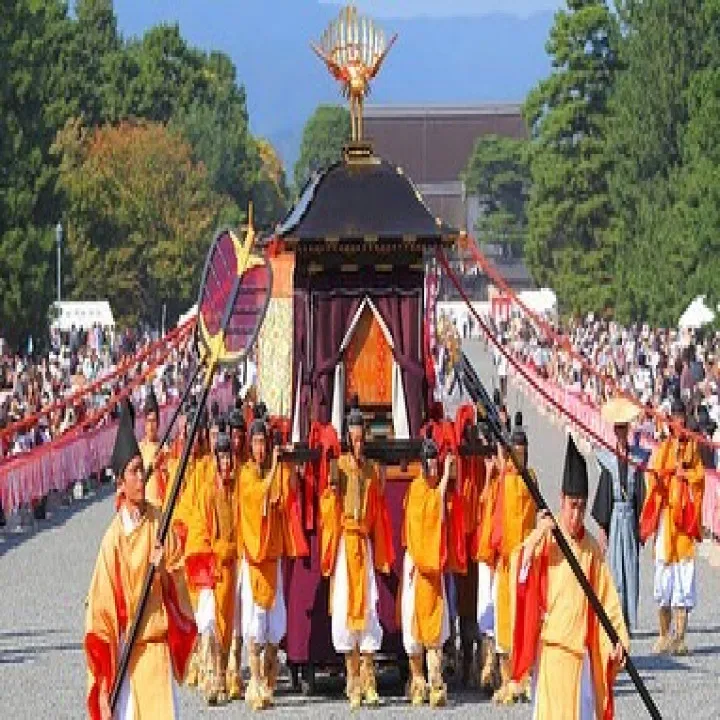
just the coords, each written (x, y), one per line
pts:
(30, 653)
(57, 515)
(30, 633)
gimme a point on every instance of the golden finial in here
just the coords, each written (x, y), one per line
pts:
(354, 48)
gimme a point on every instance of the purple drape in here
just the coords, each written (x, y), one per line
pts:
(323, 311)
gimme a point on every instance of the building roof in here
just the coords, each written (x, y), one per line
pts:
(433, 143)
(361, 200)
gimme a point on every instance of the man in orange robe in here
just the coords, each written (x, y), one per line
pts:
(193, 480)
(211, 564)
(238, 441)
(149, 447)
(555, 629)
(425, 612)
(270, 529)
(672, 511)
(355, 539)
(513, 520)
(485, 555)
(159, 657)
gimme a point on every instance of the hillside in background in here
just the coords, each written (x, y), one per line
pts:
(436, 60)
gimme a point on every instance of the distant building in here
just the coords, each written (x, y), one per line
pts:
(433, 145)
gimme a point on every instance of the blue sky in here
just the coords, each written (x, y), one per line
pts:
(453, 8)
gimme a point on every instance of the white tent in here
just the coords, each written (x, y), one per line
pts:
(82, 314)
(697, 314)
(539, 301)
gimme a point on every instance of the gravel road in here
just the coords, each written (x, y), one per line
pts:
(45, 571)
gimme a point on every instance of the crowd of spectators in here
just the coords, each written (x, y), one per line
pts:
(32, 382)
(598, 357)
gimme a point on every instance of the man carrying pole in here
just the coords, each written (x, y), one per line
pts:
(211, 564)
(555, 630)
(355, 540)
(160, 655)
(425, 612)
(672, 511)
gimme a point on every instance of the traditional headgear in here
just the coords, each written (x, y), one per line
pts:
(214, 409)
(619, 411)
(677, 407)
(518, 436)
(258, 425)
(222, 444)
(236, 421)
(497, 398)
(575, 474)
(151, 403)
(126, 445)
(429, 449)
(355, 417)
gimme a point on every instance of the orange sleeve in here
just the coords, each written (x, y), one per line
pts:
(330, 528)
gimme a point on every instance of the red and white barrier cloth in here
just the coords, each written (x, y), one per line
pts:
(57, 464)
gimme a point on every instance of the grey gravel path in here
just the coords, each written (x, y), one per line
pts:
(44, 575)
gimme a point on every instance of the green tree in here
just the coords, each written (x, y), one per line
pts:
(34, 37)
(270, 194)
(569, 211)
(141, 215)
(324, 135)
(96, 62)
(663, 49)
(498, 174)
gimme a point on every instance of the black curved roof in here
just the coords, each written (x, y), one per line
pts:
(357, 200)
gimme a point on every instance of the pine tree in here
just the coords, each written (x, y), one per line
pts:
(569, 211)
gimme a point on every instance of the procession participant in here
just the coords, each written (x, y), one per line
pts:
(424, 607)
(238, 429)
(192, 481)
(470, 481)
(513, 520)
(672, 511)
(211, 565)
(485, 555)
(149, 447)
(160, 654)
(269, 529)
(355, 539)
(618, 503)
(555, 628)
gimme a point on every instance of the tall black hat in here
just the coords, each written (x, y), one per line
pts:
(677, 407)
(258, 425)
(497, 398)
(214, 410)
(429, 449)
(519, 437)
(222, 444)
(127, 408)
(575, 474)
(151, 403)
(236, 421)
(126, 445)
(355, 417)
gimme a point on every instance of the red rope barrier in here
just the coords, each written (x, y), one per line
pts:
(583, 428)
(563, 341)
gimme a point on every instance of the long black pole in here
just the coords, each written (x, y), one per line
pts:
(479, 395)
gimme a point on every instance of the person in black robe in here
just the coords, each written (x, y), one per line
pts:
(617, 506)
